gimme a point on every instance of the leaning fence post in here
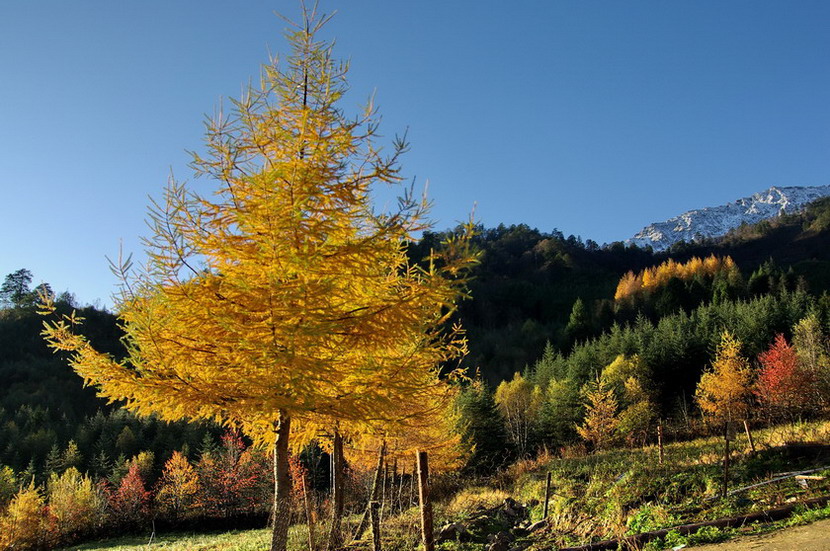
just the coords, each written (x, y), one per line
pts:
(749, 436)
(426, 504)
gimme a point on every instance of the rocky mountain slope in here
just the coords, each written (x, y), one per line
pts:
(711, 222)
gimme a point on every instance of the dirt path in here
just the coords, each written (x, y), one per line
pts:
(811, 537)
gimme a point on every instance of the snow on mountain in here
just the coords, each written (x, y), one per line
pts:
(717, 221)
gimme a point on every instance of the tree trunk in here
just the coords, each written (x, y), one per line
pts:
(426, 503)
(393, 484)
(412, 483)
(309, 517)
(400, 489)
(282, 484)
(337, 497)
(373, 497)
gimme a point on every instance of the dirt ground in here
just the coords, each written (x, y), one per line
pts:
(811, 537)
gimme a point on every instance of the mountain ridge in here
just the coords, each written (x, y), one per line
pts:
(713, 222)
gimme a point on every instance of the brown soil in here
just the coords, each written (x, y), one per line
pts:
(811, 537)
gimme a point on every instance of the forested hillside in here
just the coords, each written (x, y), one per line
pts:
(543, 305)
(532, 287)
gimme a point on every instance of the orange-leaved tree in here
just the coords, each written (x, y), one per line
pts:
(784, 387)
(278, 299)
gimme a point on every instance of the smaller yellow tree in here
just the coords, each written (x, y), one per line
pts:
(520, 406)
(725, 390)
(24, 522)
(76, 505)
(811, 347)
(628, 377)
(599, 427)
(179, 485)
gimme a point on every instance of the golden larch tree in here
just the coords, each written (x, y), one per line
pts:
(725, 389)
(599, 427)
(277, 299)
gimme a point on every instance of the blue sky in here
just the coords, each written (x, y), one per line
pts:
(596, 118)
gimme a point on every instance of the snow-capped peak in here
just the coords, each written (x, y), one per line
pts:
(717, 221)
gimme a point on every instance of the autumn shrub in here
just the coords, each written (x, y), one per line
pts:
(76, 506)
(23, 526)
(130, 502)
(233, 480)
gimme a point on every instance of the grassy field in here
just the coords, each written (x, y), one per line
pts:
(247, 540)
(601, 496)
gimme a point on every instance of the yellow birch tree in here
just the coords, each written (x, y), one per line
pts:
(278, 299)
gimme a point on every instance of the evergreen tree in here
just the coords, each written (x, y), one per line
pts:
(15, 292)
(579, 323)
(482, 428)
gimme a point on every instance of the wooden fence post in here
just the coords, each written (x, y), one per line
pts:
(547, 497)
(426, 504)
(749, 436)
(373, 513)
(726, 437)
(660, 441)
(374, 496)
(309, 518)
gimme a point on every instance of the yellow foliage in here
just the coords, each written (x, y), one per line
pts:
(23, 525)
(629, 284)
(650, 279)
(600, 424)
(279, 293)
(519, 401)
(8, 486)
(179, 485)
(277, 298)
(724, 390)
(617, 373)
(74, 502)
(144, 461)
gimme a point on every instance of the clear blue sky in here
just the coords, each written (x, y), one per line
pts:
(592, 117)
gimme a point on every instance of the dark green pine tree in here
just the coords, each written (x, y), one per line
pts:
(482, 429)
(101, 465)
(579, 324)
(54, 461)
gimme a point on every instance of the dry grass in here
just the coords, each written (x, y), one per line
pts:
(471, 499)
